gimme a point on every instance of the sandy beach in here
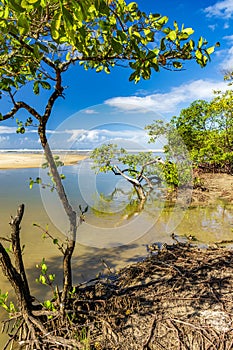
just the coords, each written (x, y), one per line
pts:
(33, 160)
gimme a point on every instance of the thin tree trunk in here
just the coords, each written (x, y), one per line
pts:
(67, 269)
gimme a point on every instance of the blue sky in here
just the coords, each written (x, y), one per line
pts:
(98, 106)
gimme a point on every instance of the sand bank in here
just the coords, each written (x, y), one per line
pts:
(33, 160)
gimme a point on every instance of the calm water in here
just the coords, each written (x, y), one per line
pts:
(116, 228)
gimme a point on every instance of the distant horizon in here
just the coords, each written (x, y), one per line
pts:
(35, 150)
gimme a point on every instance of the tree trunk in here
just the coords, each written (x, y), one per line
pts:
(140, 193)
(16, 274)
(71, 214)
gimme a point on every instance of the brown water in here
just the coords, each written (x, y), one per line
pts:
(208, 224)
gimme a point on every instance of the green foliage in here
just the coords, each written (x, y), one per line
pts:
(45, 278)
(106, 156)
(207, 131)
(3, 303)
(57, 161)
(38, 180)
(177, 170)
(47, 234)
(49, 305)
(139, 167)
(203, 133)
(39, 35)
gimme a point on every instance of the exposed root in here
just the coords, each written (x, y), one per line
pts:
(180, 298)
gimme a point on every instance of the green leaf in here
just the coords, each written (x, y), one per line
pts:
(15, 6)
(200, 42)
(51, 277)
(175, 26)
(172, 35)
(55, 26)
(162, 45)
(132, 76)
(36, 88)
(177, 65)
(45, 85)
(132, 6)
(44, 165)
(23, 24)
(107, 70)
(20, 130)
(44, 268)
(151, 55)
(43, 47)
(191, 44)
(198, 54)
(117, 46)
(162, 20)
(42, 279)
(210, 50)
(99, 69)
(188, 31)
(38, 180)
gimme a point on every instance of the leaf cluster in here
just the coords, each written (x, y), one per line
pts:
(40, 36)
(207, 130)
(203, 133)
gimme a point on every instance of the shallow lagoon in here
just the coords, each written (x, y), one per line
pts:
(113, 222)
(114, 231)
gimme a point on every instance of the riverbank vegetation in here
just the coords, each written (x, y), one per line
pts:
(206, 130)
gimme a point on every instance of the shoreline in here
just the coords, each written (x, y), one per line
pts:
(34, 160)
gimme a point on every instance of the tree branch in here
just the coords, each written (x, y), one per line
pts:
(158, 160)
(19, 105)
(31, 50)
(56, 93)
(116, 170)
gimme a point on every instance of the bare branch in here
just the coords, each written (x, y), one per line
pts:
(157, 160)
(19, 105)
(117, 171)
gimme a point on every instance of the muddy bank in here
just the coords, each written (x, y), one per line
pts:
(213, 187)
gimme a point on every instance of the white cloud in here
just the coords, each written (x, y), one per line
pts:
(99, 135)
(227, 62)
(222, 9)
(75, 133)
(90, 111)
(4, 139)
(212, 27)
(7, 130)
(229, 38)
(92, 138)
(170, 101)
